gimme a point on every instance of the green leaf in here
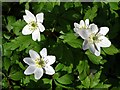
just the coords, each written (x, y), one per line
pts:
(111, 50)
(83, 69)
(6, 63)
(83, 66)
(94, 59)
(11, 20)
(95, 79)
(68, 5)
(26, 80)
(91, 13)
(44, 6)
(7, 36)
(20, 65)
(86, 82)
(101, 85)
(5, 83)
(72, 40)
(17, 75)
(65, 79)
(114, 5)
(27, 6)
(63, 86)
(77, 4)
(20, 42)
(18, 26)
(68, 68)
(59, 67)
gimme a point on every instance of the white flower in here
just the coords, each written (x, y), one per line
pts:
(94, 39)
(82, 27)
(39, 64)
(34, 25)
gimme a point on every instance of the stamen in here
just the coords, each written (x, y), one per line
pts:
(39, 62)
(33, 25)
(93, 38)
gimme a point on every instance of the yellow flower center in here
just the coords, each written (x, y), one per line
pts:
(33, 26)
(39, 62)
(94, 38)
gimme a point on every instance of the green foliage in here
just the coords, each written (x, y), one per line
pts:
(111, 50)
(94, 59)
(114, 5)
(16, 76)
(65, 79)
(11, 20)
(73, 66)
(83, 69)
(91, 13)
(72, 40)
(18, 25)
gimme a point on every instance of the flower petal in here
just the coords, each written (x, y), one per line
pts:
(104, 30)
(38, 73)
(51, 59)
(76, 25)
(30, 70)
(82, 24)
(76, 30)
(92, 48)
(43, 52)
(40, 17)
(36, 35)
(49, 70)
(33, 54)
(93, 28)
(29, 17)
(26, 30)
(87, 22)
(41, 27)
(85, 45)
(84, 33)
(104, 42)
(28, 61)
(26, 18)
(97, 49)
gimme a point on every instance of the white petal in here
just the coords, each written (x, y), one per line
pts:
(38, 73)
(33, 54)
(28, 61)
(84, 33)
(85, 45)
(30, 70)
(93, 28)
(76, 25)
(51, 60)
(26, 30)
(87, 22)
(43, 52)
(29, 17)
(40, 17)
(36, 35)
(26, 18)
(104, 30)
(82, 24)
(49, 70)
(97, 50)
(92, 48)
(104, 42)
(41, 27)
(76, 30)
